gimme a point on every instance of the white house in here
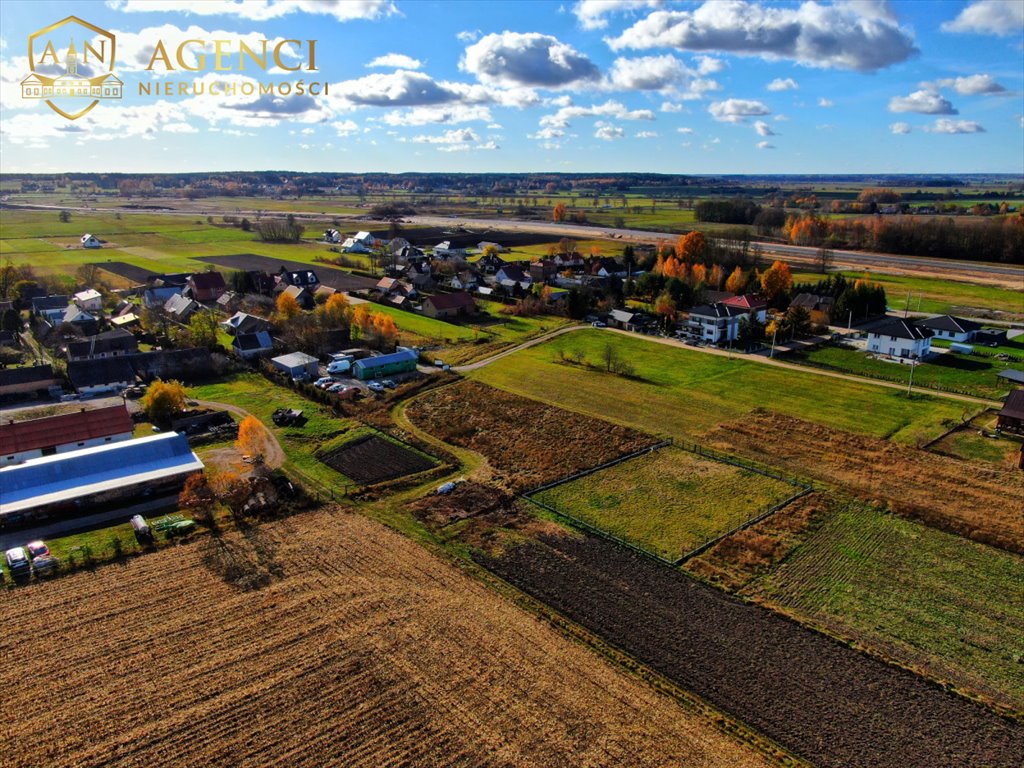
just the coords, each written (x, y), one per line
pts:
(900, 339)
(717, 323)
(90, 300)
(332, 236)
(351, 245)
(444, 250)
(90, 241)
(365, 238)
(951, 328)
(515, 273)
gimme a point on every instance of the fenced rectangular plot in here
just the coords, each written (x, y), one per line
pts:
(374, 459)
(667, 502)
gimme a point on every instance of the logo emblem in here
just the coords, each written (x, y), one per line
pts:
(72, 61)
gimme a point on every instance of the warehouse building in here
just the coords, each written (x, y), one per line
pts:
(34, 438)
(74, 483)
(401, 361)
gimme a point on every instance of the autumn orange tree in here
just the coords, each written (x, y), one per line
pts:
(558, 212)
(335, 312)
(163, 400)
(777, 280)
(252, 438)
(665, 308)
(691, 247)
(362, 323)
(197, 497)
(384, 328)
(737, 282)
(287, 306)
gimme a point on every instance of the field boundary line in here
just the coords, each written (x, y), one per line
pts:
(599, 467)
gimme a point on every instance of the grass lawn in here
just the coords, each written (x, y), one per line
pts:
(969, 374)
(667, 502)
(927, 598)
(934, 295)
(685, 393)
(969, 443)
(261, 398)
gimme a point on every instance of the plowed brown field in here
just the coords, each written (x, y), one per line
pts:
(364, 650)
(979, 500)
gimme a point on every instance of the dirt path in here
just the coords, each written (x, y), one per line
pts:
(512, 350)
(275, 454)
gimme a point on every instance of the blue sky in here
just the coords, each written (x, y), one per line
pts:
(727, 86)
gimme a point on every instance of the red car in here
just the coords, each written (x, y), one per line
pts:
(37, 549)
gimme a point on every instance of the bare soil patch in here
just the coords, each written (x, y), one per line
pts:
(374, 459)
(528, 443)
(135, 275)
(359, 649)
(981, 501)
(824, 701)
(330, 276)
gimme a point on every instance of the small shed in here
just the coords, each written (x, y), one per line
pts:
(298, 365)
(1011, 417)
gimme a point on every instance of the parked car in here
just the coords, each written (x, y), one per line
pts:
(17, 561)
(389, 383)
(323, 382)
(44, 566)
(37, 549)
(599, 324)
(375, 386)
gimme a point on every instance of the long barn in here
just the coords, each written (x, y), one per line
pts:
(401, 361)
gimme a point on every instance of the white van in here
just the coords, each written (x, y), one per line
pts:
(339, 366)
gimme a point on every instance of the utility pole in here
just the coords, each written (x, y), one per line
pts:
(910, 387)
(906, 309)
(849, 322)
(775, 333)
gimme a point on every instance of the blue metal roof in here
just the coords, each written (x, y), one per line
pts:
(92, 470)
(403, 355)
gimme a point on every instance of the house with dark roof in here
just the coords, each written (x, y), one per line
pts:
(23, 440)
(1011, 416)
(716, 323)
(205, 286)
(157, 296)
(250, 345)
(490, 263)
(950, 328)
(28, 380)
(449, 305)
(181, 308)
(108, 344)
(51, 308)
(304, 296)
(93, 377)
(818, 307)
(900, 339)
(513, 273)
(625, 320)
(303, 278)
(242, 322)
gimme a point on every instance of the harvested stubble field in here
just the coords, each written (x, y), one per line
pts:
(374, 459)
(546, 443)
(363, 650)
(929, 600)
(667, 502)
(827, 703)
(330, 276)
(982, 501)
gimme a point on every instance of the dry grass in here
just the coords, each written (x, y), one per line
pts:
(978, 500)
(360, 650)
(527, 442)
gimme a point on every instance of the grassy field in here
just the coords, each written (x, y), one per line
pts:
(669, 501)
(969, 443)
(931, 600)
(261, 398)
(686, 393)
(934, 295)
(969, 374)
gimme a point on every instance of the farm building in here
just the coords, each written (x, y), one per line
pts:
(446, 305)
(30, 380)
(990, 336)
(206, 286)
(951, 328)
(298, 365)
(90, 241)
(90, 300)
(250, 345)
(32, 439)
(109, 344)
(900, 339)
(72, 482)
(1011, 417)
(1011, 375)
(93, 377)
(401, 361)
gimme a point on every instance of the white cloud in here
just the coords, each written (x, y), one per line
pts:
(455, 136)
(610, 108)
(401, 88)
(668, 106)
(972, 85)
(261, 10)
(686, 131)
(345, 127)
(765, 145)
(647, 135)
(924, 102)
(530, 59)
(659, 73)
(446, 114)
(469, 35)
(763, 129)
(942, 125)
(395, 61)
(737, 110)
(709, 65)
(845, 36)
(107, 124)
(900, 129)
(780, 84)
(823, 102)
(180, 128)
(989, 17)
(591, 13)
(608, 132)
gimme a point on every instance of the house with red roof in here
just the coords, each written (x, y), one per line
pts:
(449, 305)
(206, 286)
(23, 440)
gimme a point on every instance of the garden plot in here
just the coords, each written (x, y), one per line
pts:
(374, 459)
